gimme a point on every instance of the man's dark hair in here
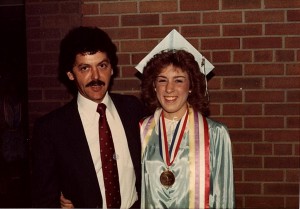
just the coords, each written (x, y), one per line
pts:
(84, 40)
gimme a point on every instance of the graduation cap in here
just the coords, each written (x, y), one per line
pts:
(175, 40)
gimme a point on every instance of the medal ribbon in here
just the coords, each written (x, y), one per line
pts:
(176, 139)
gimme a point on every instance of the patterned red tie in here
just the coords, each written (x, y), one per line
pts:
(109, 162)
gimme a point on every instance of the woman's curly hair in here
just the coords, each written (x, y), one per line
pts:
(184, 60)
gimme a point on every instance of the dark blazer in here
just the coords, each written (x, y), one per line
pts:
(61, 160)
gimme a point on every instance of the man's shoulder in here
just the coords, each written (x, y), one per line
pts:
(60, 113)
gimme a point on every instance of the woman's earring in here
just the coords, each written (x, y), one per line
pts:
(190, 91)
(154, 89)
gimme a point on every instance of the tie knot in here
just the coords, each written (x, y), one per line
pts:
(101, 108)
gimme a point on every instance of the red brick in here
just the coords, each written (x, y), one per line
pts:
(200, 31)
(158, 6)
(222, 17)
(247, 188)
(35, 94)
(282, 109)
(228, 70)
(140, 20)
(128, 72)
(281, 162)
(232, 122)
(43, 58)
(262, 42)
(133, 46)
(263, 56)
(247, 162)
(33, 21)
(283, 82)
(242, 30)
(284, 55)
(181, 18)
(266, 69)
(264, 16)
(195, 5)
(281, 4)
(292, 42)
(242, 149)
(155, 32)
(214, 109)
(238, 175)
(297, 149)
(250, 4)
(293, 69)
(70, 7)
(220, 43)
(282, 29)
(214, 83)
(263, 149)
(123, 59)
(242, 109)
(293, 122)
(264, 202)
(282, 135)
(118, 8)
(56, 95)
(283, 149)
(263, 175)
(42, 9)
(281, 189)
(90, 9)
(293, 15)
(264, 96)
(242, 83)
(293, 175)
(246, 135)
(292, 202)
(101, 21)
(225, 96)
(264, 122)
(242, 56)
(221, 56)
(123, 33)
(126, 85)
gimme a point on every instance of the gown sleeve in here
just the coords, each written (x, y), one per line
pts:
(221, 179)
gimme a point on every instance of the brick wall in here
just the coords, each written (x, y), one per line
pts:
(254, 88)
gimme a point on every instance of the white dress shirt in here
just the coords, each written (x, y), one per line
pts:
(90, 118)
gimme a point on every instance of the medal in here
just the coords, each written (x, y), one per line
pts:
(167, 178)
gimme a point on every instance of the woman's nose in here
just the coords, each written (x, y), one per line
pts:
(169, 87)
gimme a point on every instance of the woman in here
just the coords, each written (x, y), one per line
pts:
(186, 157)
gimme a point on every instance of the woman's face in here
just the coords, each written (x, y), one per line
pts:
(172, 90)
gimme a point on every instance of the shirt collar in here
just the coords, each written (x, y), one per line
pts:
(89, 107)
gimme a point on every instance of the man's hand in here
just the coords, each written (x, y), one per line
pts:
(65, 203)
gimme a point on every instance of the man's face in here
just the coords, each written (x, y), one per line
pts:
(92, 73)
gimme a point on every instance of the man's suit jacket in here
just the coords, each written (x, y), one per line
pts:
(62, 161)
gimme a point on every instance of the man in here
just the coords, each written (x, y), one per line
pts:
(66, 148)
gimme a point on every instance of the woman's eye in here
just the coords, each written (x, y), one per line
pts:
(179, 80)
(160, 80)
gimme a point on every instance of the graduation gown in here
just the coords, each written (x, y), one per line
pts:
(203, 166)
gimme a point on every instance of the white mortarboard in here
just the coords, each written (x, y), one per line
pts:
(175, 40)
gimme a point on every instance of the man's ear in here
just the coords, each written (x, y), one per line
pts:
(70, 75)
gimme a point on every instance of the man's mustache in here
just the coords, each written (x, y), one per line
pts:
(95, 83)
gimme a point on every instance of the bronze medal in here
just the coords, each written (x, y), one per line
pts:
(167, 178)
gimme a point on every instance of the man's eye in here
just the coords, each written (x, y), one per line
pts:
(84, 68)
(104, 65)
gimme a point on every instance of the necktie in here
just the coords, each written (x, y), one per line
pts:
(109, 162)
